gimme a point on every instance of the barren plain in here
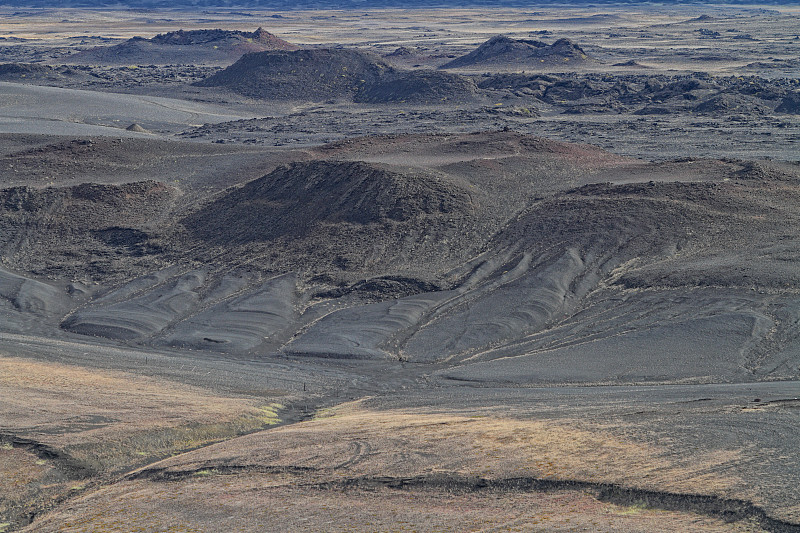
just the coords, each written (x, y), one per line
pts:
(398, 270)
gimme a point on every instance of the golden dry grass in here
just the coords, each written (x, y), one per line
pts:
(108, 421)
(257, 503)
(112, 418)
(350, 442)
(135, 415)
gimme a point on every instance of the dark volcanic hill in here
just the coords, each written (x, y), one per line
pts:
(184, 47)
(291, 200)
(501, 51)
(325, 74)
(301, 75)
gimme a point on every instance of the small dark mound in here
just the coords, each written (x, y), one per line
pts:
(702, 18)
(504, 51)
(630, 63)
(705, 33)
(301, 75)
(136, 128)
(419, 87)
(402, 51)
(293, 199)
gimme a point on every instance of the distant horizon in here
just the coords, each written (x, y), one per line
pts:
(290, 5)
